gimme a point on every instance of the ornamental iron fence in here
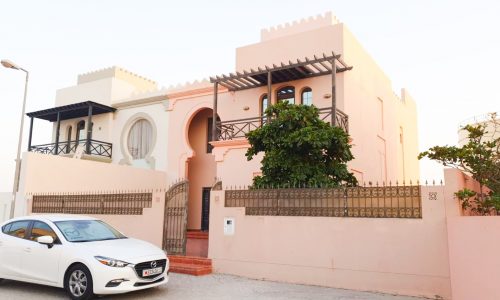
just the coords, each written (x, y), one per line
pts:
(358, 202)
(130, 203)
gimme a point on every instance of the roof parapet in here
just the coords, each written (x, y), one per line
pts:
(142, 83)
(297, 26)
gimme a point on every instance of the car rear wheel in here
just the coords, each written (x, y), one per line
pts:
(78, 283)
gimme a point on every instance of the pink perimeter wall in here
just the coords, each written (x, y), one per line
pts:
(401, 256)
(43, 173)
(474, 257)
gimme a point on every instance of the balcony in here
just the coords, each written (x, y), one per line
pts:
(89, 147)
(234, 129)
(327, 64)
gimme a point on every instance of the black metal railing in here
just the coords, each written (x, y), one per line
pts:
(357, 202)
(233, 129)
(95, 147)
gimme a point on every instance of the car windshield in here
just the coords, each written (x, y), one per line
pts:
(88, 231)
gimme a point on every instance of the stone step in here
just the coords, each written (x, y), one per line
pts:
(190, 269)
(197, 235)
(190, 265)
(194, 260)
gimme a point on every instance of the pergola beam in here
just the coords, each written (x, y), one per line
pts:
(290, 65)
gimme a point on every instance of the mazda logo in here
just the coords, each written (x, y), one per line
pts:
(153, 264)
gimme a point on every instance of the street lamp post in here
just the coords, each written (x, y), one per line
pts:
(10, 65)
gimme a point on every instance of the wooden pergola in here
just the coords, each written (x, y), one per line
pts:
(327, 64)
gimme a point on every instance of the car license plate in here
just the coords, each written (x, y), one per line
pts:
(149, 272)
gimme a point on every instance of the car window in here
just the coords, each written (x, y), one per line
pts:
(88, 231)
(41, 229)
(18, 229)
(5, 228)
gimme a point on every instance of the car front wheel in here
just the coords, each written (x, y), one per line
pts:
(78, 283)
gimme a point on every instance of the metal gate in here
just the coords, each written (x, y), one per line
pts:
(175, 223)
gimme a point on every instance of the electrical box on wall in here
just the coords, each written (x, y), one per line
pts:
(228, 226)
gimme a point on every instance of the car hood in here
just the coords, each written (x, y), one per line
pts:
(129, 250)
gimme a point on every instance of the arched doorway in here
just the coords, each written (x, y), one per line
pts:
(201, 170)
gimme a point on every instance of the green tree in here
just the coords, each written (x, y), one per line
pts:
(300, 149)
(480, 158)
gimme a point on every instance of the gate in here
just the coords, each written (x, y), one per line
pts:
(175, 223)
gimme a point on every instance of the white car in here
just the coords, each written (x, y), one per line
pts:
(83, 255)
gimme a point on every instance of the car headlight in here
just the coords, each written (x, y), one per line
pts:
(111, 262)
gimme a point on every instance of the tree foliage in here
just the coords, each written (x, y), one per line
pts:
(300, 149)
(480, 158)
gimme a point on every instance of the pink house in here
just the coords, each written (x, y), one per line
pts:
(316, 61)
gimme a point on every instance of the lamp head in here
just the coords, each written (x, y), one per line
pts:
(9, 64)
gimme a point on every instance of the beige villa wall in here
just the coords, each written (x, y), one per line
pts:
(103, 124)
(473, 243)
(104, 86)
(42, 173)
(401, 256)
(377, 116)
(474, 263)
(123, 120)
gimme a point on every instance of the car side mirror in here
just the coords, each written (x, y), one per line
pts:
(46, 240)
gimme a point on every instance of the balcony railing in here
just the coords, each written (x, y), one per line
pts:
(95, 147)
(233, 129)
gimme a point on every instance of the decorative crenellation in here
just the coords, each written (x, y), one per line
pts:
(180, 87)
(189, 85)
(118, 72)
(298, 26)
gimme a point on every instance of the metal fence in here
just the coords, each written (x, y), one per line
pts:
(361, 202)
(131, 203)
(94, 147)
(233, 129)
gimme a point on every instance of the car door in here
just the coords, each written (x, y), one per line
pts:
(12, 239)
(41, 262)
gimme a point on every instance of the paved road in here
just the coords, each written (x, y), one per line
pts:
(213, 286)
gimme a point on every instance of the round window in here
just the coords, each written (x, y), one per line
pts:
(140, 139)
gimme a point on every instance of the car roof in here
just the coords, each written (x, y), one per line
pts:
(53, 217)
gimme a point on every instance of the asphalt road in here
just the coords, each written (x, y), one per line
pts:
(213, 286)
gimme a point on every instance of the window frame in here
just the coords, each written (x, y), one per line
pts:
(261, 104)
(26, 234)
(306, 90)
(278, 100)
(153, 132)
(5, 226)
(78, 129)
(57, 240)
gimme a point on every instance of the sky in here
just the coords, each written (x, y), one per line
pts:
(446, 53)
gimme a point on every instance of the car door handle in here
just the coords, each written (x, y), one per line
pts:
(27, 249)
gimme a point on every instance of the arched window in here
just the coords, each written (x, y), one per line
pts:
(140, 139)
(80, 130)
(264, 104)
(307, 96)
(286, 94)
